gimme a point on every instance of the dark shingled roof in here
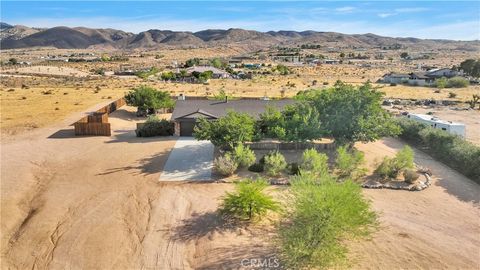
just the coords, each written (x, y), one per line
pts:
(217, 108)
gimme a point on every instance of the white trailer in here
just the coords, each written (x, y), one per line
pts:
(449, 126)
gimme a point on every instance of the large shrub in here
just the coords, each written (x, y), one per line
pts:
(225, 165)
(274, 163)
(448, 148)
(249, 201)
(320, 218)
(348, 163)
(155, 127)
(457, 82)
(314, 162)
(227, 131)
(243, 155)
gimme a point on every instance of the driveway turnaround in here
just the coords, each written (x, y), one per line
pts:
(189, 160)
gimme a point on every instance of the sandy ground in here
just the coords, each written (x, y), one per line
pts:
(47, 70)
(96, 203)
(438, 228)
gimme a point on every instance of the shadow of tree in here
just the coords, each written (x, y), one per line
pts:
(200, 225)
(254, 255)
(146, 166)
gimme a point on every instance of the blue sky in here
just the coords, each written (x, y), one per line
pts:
(423, 19)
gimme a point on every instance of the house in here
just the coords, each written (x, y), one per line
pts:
(187, 111)
(217, 73)
(443, 72)
(397, 78)
(449, 126)
(420, 79)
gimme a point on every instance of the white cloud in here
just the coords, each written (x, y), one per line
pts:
(411, 10)
(345, 9)
(385, 15)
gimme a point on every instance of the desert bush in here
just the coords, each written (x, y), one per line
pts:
(391, 167)
(452, 95)
(249, 201)
(256, 167)
(457, 82)
(393, 84)
(314, 162)
(348, 163)
(243, 155)
(274, 163)
(410, 176)
(155, 127)
(225, 165)
(321, 217)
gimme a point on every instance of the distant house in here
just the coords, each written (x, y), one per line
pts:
(420, 79)
(397, 78)
(217, 73)
(443, 72)
(449, 126)
(331, 61)
(187, 111)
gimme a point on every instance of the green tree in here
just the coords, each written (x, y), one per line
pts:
(227, 131)
(147, 99)
(471, 67)
(13, 61)
(404, 55)
(350, 114)
(249, 201)
(192, 62)
(217, 62)
(298, 122)
(342, 55)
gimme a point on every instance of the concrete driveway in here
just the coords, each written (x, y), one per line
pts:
(189, 160)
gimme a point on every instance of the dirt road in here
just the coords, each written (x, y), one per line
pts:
(96, 203)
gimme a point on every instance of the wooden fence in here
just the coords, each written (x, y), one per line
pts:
(96, 124)
(93, 129)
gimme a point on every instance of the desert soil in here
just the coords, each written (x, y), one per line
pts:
(96, 203)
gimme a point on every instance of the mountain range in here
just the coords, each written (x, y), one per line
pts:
(18, 36)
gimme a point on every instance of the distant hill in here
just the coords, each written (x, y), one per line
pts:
(18, 36)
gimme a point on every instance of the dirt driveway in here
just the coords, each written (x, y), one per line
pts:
(189, 160)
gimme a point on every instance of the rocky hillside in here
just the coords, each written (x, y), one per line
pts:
(80, 37)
